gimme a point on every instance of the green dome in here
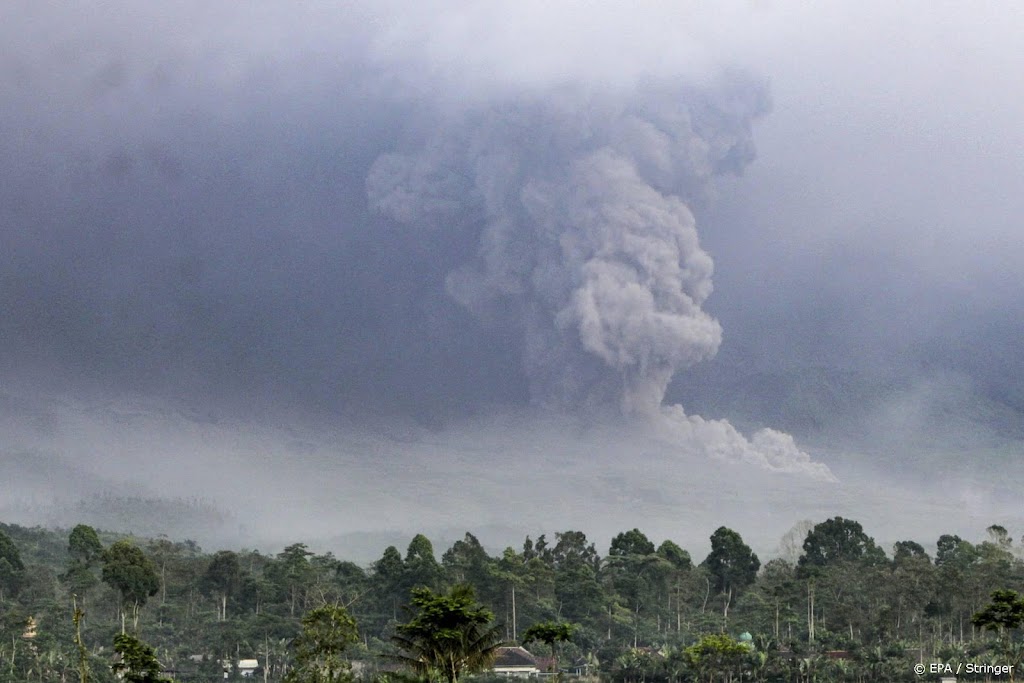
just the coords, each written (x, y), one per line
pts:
(746, 637)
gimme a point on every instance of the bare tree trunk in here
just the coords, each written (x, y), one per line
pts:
(266, 657)
(636, 622)
(515, 633)
(810, 612)
(776, 619)
(678, 611)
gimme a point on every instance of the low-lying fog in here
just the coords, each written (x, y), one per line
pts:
(153, 469)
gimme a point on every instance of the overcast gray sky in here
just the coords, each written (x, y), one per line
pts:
(301, 208)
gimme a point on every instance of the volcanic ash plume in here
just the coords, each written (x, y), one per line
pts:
(582, 242)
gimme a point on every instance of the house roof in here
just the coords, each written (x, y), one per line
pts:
(514, 656)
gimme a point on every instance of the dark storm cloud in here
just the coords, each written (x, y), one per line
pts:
(185, 214)
(189, 217)
(185, 210)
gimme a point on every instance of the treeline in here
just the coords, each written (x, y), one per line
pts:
(842, 609)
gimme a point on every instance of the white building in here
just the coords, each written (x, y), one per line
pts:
(515, 661)
(246, 667)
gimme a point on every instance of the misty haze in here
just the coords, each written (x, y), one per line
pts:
(341, 276)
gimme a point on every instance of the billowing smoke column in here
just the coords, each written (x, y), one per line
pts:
(584, 243)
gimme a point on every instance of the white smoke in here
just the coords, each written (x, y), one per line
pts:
(584, 243)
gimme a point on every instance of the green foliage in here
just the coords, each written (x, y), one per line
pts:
(421, 568)
(731, 563)
(836, 541)
(85, 551)
(717, 653)
(638, 611)
(954, 552)
(326, 633)
(550, 633)
(138, 662)
(84, 546)
(223, 578)
(676, 556)
(908, 551)
(11, 567)
(448, 634)
(127, 569)
(630, 543)
(1006, 611)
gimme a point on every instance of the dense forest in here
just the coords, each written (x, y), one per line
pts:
(80, 604)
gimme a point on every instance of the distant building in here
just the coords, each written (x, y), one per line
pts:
(246, 667)
(515, 661)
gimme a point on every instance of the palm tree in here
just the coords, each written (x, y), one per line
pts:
(811, 668)
(448, 634)
(1013, 654)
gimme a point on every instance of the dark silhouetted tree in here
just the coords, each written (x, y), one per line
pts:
(133, 575)
(731, 563)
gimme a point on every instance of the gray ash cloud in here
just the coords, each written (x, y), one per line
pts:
(571, 205)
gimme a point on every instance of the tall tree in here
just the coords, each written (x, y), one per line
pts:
(511, 572)
(678, 580)
(911, 585)
(576, 565)
(421, 566)
(839, 544)
(223, 578)
(448, 634)
(778, 588)
(639, 574)
(388, 575)
(84, 552)
(731, 563)
(957, 562)
(319, 649)
(291, 571)
(133, 575)
(12, 568)
(572, 550)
